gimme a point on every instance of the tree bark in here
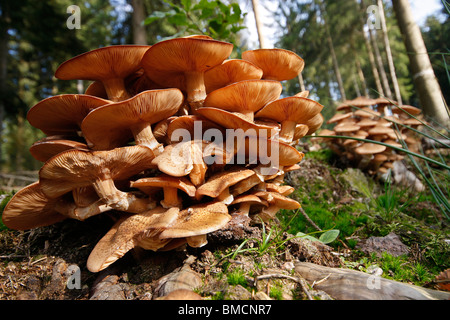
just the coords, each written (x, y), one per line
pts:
(255, 6)
(139, 33)
(387, 48)
(333, 53)
(379, 60)
(427, 86)
(376, 75)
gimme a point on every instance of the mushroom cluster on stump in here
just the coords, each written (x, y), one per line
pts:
(373, 119)
(175, 139)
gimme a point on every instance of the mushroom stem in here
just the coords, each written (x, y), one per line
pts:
(195, 88)
(143, 135)
(244, 208)
(226, 197)
(111, 196)
(115, 89)
(171, 198)
(81, 213)
(287, 131)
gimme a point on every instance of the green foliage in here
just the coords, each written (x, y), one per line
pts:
(3, 204)
(237, 277)
(213, 18)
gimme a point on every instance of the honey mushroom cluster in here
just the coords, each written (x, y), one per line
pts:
(121, 147)
(372, 120)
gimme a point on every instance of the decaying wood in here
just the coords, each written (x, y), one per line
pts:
(346, 284)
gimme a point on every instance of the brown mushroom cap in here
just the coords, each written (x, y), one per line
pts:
(181, 63)
(338, 117)
(289, 112)
(236, 121)
(230, 71)
(113, 125)
(410, 109)
(195, 125)
(246, 97)
(109, 65)
(29, 208)
(277, 64)
(219, 183)
(64, 113)
(75, 168)
(198, 220)
(48, 147)
(370, 148)
(357, 102)
(127, 233)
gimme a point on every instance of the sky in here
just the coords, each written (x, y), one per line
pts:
(421, 10)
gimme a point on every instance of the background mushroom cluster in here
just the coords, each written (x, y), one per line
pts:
(121, 147)
(377, 120)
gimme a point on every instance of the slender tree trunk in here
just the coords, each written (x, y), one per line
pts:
(255, 6)
(301, 82)
(376, 75)
(3, 69)
(333, 53)
(390, 59)
(139, 33)
(361, 76)
(425, 81)
(379, 60)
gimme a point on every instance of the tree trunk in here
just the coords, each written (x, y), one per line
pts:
(379, 60)
(255, 5)
(376, 75)
(427, 86)
(139, 33)
(3, 68)
(333, 53)
(390, 60)
(301, 82)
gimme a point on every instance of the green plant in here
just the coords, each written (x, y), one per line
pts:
(237, 277)
(213, 18)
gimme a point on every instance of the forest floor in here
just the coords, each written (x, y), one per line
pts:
(408, 243)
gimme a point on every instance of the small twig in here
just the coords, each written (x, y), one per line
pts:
(309, 219)
(320, 281)
(299, 280)
(11, 256)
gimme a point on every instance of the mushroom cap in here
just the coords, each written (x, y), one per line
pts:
(167, 61)
(164, 181)
(410, 109)
(268, 151)
(357, 102)
(64, 113)
(197, 220)
(378, 130)
(220, 181)
(96, 89)
(345, 128)
(48, 147)
(338, 117)
(370, 148)
(230, 71)
(366, 112)
(179, 159)
(244, 96)
(277, 64)
(367, 122)
(301, 130)
(104, 63)
(278, 200)
(296, 109)
(75, 168)
(236, 121)
(110, 126)
(191, 123)
(314, 123)
(249, 198)
(127, 233)
(29, 208)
